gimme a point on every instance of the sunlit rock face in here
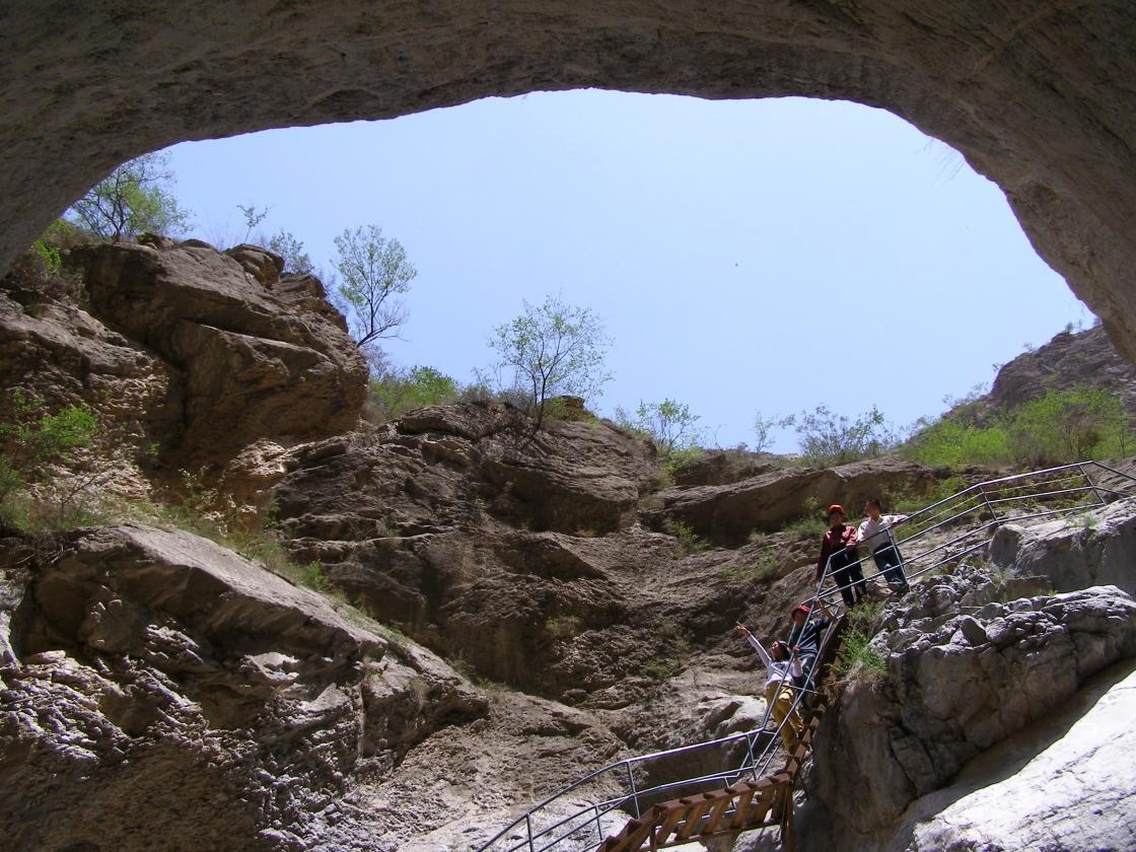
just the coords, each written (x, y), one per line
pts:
(1037, 97)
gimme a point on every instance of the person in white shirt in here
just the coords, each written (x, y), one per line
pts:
(876, 533)
(780, 673)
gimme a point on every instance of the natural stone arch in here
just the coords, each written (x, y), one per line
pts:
(1037, 95)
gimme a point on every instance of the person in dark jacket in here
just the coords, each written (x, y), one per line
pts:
(805, 636)
(839, 543)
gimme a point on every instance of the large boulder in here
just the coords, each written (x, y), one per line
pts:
(728, 513)
(1065, 783)
(957, 684)
(160, 688)
(1095, 548)
(260, 356)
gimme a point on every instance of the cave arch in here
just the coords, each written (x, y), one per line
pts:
(1036, 95)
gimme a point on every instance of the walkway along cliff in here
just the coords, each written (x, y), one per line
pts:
(754, 795)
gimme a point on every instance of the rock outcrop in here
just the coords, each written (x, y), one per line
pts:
(65, 356)
(159, 686)
(191, 359)
(729, 513)
(260, 357)
(1065, 782)
(1095, 548)
(959, 681)
(1069, 360)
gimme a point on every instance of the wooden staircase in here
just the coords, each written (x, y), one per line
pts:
(744, 805)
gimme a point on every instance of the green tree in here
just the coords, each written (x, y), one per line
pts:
(296, 260)
(374, 270)
(1063, 427)
(670, 424)
(253, 216)
(763, 430)
(553, 349)
(133, 199)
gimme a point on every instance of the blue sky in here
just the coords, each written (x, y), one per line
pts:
(745, 255)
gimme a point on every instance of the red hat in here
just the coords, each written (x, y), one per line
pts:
(804, 609)
(835, 507)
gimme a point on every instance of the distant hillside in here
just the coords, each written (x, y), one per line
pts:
(1069, 360)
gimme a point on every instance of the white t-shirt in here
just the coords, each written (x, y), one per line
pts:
(776, 670)
(874, 533)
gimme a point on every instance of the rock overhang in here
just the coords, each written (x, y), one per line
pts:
(1036, 100)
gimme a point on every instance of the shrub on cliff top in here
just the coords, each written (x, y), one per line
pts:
(1059, 428)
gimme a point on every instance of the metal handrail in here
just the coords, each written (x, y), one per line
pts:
(759, 764)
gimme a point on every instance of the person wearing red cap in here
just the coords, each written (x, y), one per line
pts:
(839, 543)
(805, 636)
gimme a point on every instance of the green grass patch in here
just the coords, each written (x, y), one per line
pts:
(688, 541)
(1061, 427)
(857, 656)
(763, 568)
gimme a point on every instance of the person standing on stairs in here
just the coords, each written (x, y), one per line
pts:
(875, 532)
(839, 543)
(780, 673)
(805, 636)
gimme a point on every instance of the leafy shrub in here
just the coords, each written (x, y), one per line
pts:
(952, 443)
(827, 438)
(560, 627)
(1059, 428)
(41, 272)
(676, 460)
(395, 392)
(296, 260)
(1069, 426)
(688, 540)
(856, 654)
(313, 578)
(811, 524)
(34, 492)
(763, 567)
(670, 424)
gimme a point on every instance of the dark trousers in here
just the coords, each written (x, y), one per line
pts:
(888, 560)
(848, 575)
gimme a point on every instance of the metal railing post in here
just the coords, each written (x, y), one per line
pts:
(1092, 484)
(528, 825)
(599, 828)
(634, 794)
(986, 500)
(749, 754)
